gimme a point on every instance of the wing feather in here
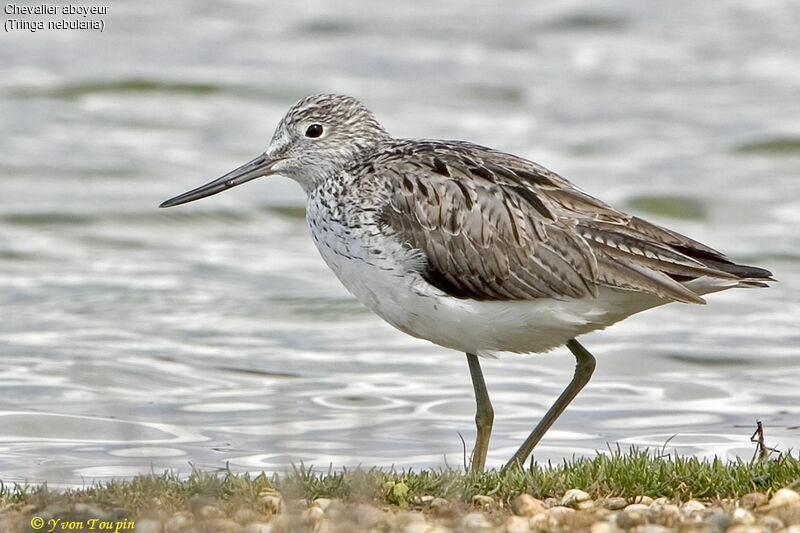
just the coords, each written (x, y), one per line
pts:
(493, 226)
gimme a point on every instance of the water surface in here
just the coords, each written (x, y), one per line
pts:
(135, 339)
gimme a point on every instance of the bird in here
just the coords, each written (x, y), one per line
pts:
(474, 249)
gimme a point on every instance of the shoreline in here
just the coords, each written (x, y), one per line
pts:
(635, 491)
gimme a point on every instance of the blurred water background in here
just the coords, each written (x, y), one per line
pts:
(134, 339)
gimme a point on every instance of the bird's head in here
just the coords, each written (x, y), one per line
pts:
(319, 136)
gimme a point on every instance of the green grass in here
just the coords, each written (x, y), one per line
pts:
(627, 474)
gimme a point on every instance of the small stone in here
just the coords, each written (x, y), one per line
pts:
(322, 503)
(366, 515)
(406, 517)
(283, 522)
(177, 522)
(601, 527)
(439, 503)
(637, 507)
(313, 515)
(517, 524)
(743, 517)
(475, 522)
(666, 515)
(784, 497)
(753, 500)
(438, 529)
(258, 527)
(555, 516)
(209, 512)
(417, 527)
(720, 521)
(483, 502)
(653, 528)
(271, 500)
(245, 516)
(91, 511)
(772, 523)
(426, 499)
(746, 529)
(148, 526)
(614, 503)
(538, 522)
(410, 523)
(692, 507)
(221, 525)
(526, 505)
(627, 519)
(551, 502)
(577, 499)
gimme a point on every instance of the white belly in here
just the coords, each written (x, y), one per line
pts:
(383, 282)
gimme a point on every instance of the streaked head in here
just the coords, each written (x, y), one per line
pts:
(319, 135)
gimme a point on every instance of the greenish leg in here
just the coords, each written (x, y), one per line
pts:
(484, 414)
(584, 368)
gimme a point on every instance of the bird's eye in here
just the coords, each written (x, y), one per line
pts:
(314, 131)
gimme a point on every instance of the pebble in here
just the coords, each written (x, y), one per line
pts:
(91, 511)
(322, 503)
(366, 515)
(750, 514)
(439, 503)
(577, 499)
(479, 500)
(258, 527)
(692, 507)
(628, 518)
(601, 527)
(555, 517)
(526, 505)
(753, 500)
(475, 522)
(721, 521)
(614, 503)
(177, 522)
(271, 500)
(418, 527)
(516, 524)
(407, 517)
(653, 528)
(313, 515)
(746, 529)
(209, 512)
(743, 517)
(220, 525)
(773, 523)
(148, 526)
(667, 514)
(784, 497)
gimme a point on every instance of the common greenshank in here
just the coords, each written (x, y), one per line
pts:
(475, 249)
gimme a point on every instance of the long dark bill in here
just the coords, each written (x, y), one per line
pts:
(258, 167)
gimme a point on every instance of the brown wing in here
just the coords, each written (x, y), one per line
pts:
(496, 227)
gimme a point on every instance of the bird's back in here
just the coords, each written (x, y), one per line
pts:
(493, 226)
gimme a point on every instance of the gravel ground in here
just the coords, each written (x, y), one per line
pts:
(575, 511)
